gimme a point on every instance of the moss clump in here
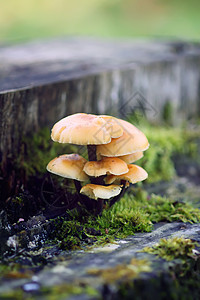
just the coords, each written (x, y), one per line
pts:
(169, 249)
(133, 213)
(166, 143)
(167, 113)
(67, 290)
(37, 150)
(122, 272)
(123, 219)
(158, 209)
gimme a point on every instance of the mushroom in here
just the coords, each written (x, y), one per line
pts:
(96, 191)
(130, 158)
(132, 140)
(113, 141)
(85, 129)
(113, 126)
(69, 166)
(107, 165)
(134, 175)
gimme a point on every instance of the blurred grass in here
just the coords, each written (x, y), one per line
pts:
(24, 20)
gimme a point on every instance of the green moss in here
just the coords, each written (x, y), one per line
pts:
(165, 144)
(159, 208)
(37, 150)
(18, 200)
(169, 249)
(13, 295)
(64, 291)
(122, 272)
(133, 213)
(167, 113)
(14, 271)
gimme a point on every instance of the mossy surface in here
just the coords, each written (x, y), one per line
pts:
(162, 209)
(37, 150)
(166, 143)
(169, 249)
(122, 272)
(62, 291)
(137, 211)
(133, 213)
(14, 271)
(167, 113)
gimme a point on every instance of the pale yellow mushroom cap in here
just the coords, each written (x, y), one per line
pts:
(113, 126)
(68, 166)
(134, 175)
(130, 158)
(84, 129)
(107, 165)
(131, 141)
(95, 191)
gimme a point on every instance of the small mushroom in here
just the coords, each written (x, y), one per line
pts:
(96, 191)
(134, 175)
(132, 140)
(131, 158)
(69, 166)
(107, 165)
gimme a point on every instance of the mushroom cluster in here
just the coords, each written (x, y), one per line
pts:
(113, 145)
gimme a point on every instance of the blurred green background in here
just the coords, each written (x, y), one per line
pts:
(29, 19)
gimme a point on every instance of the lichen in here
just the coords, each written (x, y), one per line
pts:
(169, 249)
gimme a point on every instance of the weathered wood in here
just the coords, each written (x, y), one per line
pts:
(41, 82)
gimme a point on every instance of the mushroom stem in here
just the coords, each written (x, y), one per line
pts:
(77, 186)
(99, 207)
(92, 156)
(84, 201)
(117, 198)
(92, 152)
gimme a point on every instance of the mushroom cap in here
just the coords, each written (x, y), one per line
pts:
(113, 126)
(135, 174)
(131, 141)
(68, 166)
(130, 158)
(96, 191)
(83, 129)
(107, 165)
